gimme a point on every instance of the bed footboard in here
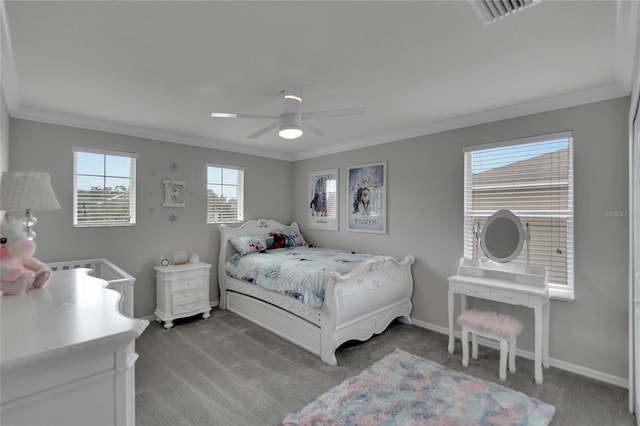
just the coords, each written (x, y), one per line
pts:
(363, 302)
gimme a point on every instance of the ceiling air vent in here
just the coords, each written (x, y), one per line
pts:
(492, 10)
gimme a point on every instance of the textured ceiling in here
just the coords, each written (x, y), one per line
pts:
(159, 68)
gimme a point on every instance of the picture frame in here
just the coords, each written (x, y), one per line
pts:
(323, 200)
(367, 186)
(172, 196)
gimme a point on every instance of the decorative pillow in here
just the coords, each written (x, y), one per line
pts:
(246, 244)
(278, 240)
(295, 236)
(286, 237)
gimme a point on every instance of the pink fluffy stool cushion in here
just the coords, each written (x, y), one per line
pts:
(490, 322)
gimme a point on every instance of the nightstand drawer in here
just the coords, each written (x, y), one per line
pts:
(188, 307)
(177, 275)
(472, 290)
(188, 284)
(507, 296)
(187, 296)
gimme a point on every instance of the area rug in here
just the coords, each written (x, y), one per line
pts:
(405, 389)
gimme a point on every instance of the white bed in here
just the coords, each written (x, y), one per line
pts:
(357, 305)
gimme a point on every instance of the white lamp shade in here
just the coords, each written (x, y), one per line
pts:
(27, 190)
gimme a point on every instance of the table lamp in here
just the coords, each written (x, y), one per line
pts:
(27, 191)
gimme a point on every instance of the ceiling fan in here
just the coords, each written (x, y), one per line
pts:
(291, 122)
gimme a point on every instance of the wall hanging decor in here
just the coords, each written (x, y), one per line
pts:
(323, 200)
(172, 197)
(368, 198)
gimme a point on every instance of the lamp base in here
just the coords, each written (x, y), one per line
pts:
(29, 221)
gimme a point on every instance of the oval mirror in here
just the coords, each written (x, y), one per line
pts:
(502, 237)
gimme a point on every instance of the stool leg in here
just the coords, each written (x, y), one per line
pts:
(474, 345)
(512, 354)
(465, 346)
(504, 348)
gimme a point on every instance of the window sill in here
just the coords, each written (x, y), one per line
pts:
(105, 225)
(561, 293)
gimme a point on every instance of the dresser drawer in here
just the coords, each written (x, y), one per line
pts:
(472, 290)
(187, 284)
(187, 296)
(188, 307)
(507, 296)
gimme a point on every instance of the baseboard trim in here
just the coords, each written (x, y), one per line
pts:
(563, 365)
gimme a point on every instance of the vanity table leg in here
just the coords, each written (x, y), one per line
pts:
(538, 313)
(545, 333)
(452, 336)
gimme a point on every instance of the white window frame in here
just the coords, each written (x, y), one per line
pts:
(559, 291)
(240, 190)
(132, 187)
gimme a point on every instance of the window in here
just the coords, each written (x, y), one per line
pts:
(104, 188)
(225, 194)
(533, 177)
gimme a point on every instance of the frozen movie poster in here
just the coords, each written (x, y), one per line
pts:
(323, 200)
(367, 198)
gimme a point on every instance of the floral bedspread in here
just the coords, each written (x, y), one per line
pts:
(299, 272)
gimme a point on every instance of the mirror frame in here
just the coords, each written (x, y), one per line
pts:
(503, 214)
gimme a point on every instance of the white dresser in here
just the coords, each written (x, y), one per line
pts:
(182, 291)
(67, 354)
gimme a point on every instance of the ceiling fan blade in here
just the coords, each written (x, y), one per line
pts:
(314, 130)
(263, 130)
(239, 115)
(334, 113)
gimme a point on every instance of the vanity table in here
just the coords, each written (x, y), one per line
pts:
(67, 355)
(511, 292)
(502, 240)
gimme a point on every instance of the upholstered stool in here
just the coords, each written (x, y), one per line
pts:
(491, 325)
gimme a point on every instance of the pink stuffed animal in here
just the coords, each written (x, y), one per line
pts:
(19, 270)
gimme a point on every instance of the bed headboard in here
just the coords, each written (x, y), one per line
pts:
(250, 227)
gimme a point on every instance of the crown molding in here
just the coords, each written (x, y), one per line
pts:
(8, 75)
(140, 132)
(597, 94)
(627, 43)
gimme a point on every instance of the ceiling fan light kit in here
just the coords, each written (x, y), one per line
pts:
(290, 126)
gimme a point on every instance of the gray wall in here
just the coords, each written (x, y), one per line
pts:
(424, 211)
(46, 147)
(425, 219)
(4, 133)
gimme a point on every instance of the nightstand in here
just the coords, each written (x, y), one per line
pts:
(182, 291)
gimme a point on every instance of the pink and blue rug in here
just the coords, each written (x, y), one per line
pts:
(404, 389)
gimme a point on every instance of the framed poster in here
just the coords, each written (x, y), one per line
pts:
(368, 198)
(323, 200)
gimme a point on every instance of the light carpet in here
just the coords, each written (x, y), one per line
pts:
(405, 389)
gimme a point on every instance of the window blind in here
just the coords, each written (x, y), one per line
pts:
(225, 194)
(104, 188)
(532, 177)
